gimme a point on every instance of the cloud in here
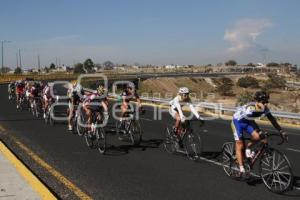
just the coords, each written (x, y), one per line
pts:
(244, 33)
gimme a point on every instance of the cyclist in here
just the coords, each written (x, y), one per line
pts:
(73, 94)
(11, 89)
(175, 109)
(33, 92)
(129, 94)
(47, 98)
(20, 89)
(244, 120)
(93, 102)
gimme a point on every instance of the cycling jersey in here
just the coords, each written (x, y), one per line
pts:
(176, 106)
(129, 96)
(34, 91)
(250, 111)
(20, 87)
(92, 99)
(46, 93)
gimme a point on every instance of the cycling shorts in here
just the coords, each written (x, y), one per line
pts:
(239, 126)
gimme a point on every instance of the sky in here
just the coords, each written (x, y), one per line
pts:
(150, 32)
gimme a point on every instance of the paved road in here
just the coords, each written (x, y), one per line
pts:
(126, 172)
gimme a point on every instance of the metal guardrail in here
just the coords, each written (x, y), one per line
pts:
(221, 107)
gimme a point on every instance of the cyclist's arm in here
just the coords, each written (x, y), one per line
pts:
(178, 107)
(124, 102)
(138, 100)
(194, 111)
(274, 122)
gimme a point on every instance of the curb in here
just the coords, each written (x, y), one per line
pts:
(25, 172)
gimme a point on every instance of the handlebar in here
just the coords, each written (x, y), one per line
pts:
(283, 138)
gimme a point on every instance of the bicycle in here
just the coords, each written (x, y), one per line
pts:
(48, 118)
(21, 104)
(37, 106)
(130, 127)
(274, 167)
(11, 94)
(191, 141)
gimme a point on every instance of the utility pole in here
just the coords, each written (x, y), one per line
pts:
(39, 63)
(2, 53)
(20, 60)
(17, 56)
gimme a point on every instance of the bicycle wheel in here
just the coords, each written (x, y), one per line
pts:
(169, 143)
(230, 165)
(47, 117)
(80, 129)
(118, 126)
(135, 132)
(89, 139)
(276, 171)
(74, 125)
(193, 145)
(101, 140)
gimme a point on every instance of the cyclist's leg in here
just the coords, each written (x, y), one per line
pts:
(237, 128)
(124, 108)
(175, 116)
(104, 110)
(255, 136)
(71, 109)
(88, 113)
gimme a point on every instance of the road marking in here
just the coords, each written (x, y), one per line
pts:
(146, 119)
(295, 150)
(34, 182)
(80, 194)
(72, 187)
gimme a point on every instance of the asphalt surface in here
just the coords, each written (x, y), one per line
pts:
(127, 172)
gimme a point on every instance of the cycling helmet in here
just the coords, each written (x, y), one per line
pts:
(261, 96)
(183, 90)
(130, 85)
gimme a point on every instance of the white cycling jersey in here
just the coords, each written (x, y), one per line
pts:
(176, 105)
(250, 112)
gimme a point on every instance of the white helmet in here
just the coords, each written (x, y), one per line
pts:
(183, 90)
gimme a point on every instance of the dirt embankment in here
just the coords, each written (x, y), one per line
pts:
(205, 90)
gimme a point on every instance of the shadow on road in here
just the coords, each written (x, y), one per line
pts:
(212, 155)
(123, 149)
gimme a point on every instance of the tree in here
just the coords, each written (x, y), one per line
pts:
(88, 65)
(274, 81)
(272, 64)
(225, 87)
(52, 66)
(78, 69)
(231, 63)
(251, 64)
(18, 70)
(247, 82)
(108, 65)
(5, 70)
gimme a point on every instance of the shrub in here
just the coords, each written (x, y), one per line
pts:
(274, 82)
(225, 87)
(248, 82)
(245, 98)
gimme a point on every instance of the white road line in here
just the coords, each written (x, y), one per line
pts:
(146, 119)
(295, 150)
